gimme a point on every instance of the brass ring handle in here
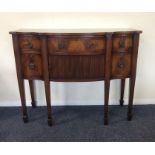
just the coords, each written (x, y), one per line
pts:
(120, 65)
(91, 45)
(122, 43)
(61, 45)
(28, 44)
(32, 66)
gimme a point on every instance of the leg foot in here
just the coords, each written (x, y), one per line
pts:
(33, 104)
(121, 102)
(25, 119)
(32, 93)
(50, 123)
(105, 121)
(129, 117)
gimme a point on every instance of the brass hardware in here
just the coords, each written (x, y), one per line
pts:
(31, 62)
(32, 66)
(90, 44)
(29, 44)
(122, 43)
(121, 62)
(120, 65)
(61, 45)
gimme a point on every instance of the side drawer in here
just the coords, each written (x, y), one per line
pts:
(29, 42)
(122, 43)
(121, 65)
(31, 66)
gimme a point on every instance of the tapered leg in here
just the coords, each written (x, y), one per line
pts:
(46, 78)
(131, 94)
(23, 99)
(106, 100)
(32, 92)
(48, 100)
(122, 92)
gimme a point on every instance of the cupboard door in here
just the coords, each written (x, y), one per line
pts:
(76, 68)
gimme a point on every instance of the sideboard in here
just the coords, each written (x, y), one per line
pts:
(75, 55)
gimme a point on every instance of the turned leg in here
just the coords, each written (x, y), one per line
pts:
(48, 100)
(23, 99)
(32, 93)
(106, 100)
(122, 92)
(131, 94)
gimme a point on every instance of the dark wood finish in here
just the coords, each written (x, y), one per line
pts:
(121, 65)
(31, 66)
(84, 56)
(76, 68)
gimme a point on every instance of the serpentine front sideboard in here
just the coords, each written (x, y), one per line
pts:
(74, 56)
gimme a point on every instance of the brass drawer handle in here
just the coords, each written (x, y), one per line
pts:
(61, 45)
(29, 44)
(90, 44)
(120, 65)
(122, 43)
(32, 66)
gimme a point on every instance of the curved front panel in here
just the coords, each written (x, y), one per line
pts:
(76, 68)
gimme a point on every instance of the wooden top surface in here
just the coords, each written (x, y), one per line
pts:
(75, 31)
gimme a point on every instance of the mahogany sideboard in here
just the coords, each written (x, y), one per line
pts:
(74, 56)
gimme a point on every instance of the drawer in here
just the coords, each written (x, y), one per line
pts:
(122, 43)
(121, 65)
(31, 66)
(76, 68)
(76, 45)
(29, 42)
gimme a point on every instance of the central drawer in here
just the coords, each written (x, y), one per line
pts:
(76, 67)
(76, 45)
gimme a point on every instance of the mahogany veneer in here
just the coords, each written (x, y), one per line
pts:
(76, 55)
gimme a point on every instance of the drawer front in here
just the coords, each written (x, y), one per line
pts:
(76, 68)
(76, 45)
(122, 43)
(121, 65)
(31, 66)
(29, 42)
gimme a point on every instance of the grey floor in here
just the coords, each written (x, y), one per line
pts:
(78, 123)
